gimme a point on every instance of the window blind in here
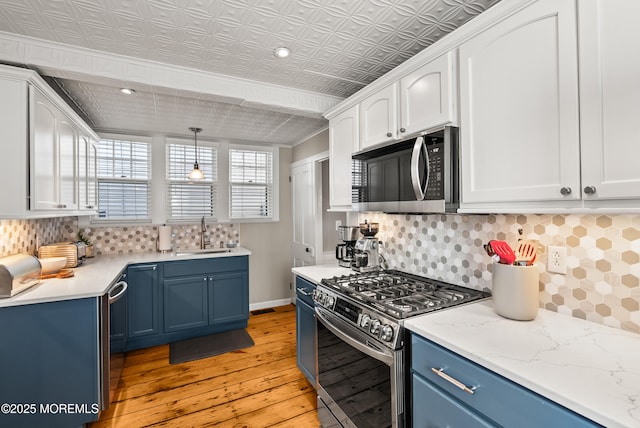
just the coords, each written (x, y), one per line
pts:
(251, 184)
(191, 199)
(124, 174)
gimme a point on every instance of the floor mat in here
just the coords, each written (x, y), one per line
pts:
(208, 346)
(262, 311)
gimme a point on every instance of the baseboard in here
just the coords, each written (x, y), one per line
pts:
(269, 304)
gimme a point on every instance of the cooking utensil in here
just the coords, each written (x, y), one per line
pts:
(491, 253)
(526, 252)
(63, 273)
(504, 251)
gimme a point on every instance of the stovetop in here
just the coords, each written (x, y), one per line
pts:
(400, 294)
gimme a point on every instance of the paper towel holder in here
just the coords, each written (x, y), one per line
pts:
(163, 243)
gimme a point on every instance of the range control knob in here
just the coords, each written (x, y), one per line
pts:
(375, 327)
(329, 302)
(364, 321)
(386, 333)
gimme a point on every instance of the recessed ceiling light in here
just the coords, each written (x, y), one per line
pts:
(281, 52)
(127, 91)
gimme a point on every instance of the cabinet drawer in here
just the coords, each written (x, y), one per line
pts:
(304, 290)
(501, 400)
(434, 408)
(205, 266)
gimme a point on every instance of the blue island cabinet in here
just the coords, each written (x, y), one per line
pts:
(449, 390)
(50, 363)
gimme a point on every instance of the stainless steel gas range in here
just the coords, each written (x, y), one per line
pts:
(360, 342)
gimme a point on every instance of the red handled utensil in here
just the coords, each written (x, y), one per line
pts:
(526, 252)
(504, 251)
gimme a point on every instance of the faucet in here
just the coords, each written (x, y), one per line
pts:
(204, 240)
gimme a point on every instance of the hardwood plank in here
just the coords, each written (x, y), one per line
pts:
(257, 387)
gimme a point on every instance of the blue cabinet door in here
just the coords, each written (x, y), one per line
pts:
(50, 357)
(144, 296)
(228, 297)
(306, 340)
(185, 303)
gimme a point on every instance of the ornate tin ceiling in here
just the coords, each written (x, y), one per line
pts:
(337, 47)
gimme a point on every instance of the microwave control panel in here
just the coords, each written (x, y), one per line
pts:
(435, 185)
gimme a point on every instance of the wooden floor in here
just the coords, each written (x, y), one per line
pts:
(260, 386)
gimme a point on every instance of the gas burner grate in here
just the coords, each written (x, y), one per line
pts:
(401, 294)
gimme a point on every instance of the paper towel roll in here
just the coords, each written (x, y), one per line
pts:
(164, 238)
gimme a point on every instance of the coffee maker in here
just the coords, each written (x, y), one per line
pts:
(345, 251)
(367, 256)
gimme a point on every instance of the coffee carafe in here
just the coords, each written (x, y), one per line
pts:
(345, 250)
(367, 254)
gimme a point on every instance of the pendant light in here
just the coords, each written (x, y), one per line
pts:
(196, 174)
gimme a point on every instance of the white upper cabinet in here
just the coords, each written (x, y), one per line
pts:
(609, 99)
(427, 96)
(343, 141)
(519, 109)
(87, 180)
(420, 100)
(43, 155)
(378, 117)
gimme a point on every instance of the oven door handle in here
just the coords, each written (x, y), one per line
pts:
(384, 357)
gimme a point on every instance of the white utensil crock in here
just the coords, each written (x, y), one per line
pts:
(515, 291)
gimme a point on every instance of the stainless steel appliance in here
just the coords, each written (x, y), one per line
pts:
(367, 256)
(17, 273)
(345, 250)
(111, 363)
(360, 342)
(75, 252)
(418, 175)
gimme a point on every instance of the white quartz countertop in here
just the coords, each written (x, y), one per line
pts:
(96, 275)
(318, 272)
(589, 368)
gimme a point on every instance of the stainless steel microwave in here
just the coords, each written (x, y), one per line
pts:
(418, 175)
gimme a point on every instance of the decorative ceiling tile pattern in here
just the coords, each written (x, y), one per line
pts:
(338, 46)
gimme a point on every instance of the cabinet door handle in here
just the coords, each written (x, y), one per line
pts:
(565, 191)
(402, 130)
(590, 190)
(457, 383)
(389, 134)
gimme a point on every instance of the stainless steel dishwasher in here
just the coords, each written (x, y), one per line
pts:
(111, 363)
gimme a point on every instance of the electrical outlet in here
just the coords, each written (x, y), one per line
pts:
(338, 224)
(557, 259)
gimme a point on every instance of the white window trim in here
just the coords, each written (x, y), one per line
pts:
(275, 152)
(158, 205)
(216, 184)
(94, 221)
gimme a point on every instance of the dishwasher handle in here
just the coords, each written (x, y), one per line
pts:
(115, 297)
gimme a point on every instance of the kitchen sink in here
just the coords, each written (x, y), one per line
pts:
(203, 251)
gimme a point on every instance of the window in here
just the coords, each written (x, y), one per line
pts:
(251, 184)
(124, 174)
(188, 200)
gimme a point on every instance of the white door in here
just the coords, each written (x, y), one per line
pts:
(609, 98)
(304, 214)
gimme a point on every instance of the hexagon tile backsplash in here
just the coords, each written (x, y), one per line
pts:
(603, 257)
(602, 283)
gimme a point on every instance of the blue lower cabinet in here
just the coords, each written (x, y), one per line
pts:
(51, 364)
(144, 301)
(305, 329)
(182, 299)
(491, 400)
(185, 303)
(228, 297)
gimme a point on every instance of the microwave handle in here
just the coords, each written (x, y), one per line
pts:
(419, 148)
